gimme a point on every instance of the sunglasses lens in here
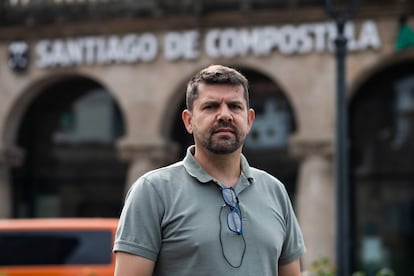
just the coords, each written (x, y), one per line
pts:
(233, 217)
(229, 197)
(234, 221)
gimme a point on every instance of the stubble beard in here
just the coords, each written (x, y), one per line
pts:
(223, 145)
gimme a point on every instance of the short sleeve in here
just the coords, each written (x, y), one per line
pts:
(139, 230)
(294, 245)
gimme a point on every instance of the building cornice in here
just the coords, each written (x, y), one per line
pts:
(200, 21)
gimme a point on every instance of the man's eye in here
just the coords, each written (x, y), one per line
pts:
(235, 106)
(209, 106)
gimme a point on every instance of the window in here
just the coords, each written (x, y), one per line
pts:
(55, 248)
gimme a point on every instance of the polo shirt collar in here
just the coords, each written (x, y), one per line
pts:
(195, 170)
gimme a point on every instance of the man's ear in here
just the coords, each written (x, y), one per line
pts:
(250, 117)
(187, 117)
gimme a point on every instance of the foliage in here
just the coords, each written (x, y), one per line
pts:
(322, 267)
(385, 272)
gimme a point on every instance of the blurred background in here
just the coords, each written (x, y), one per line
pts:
(91, 94)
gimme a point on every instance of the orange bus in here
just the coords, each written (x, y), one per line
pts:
(57, 247)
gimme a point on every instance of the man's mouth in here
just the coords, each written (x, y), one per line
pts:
(224, 130)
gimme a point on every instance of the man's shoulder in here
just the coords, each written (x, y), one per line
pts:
(160, 179)
(164, 172)
(262, 177)
(259, 174)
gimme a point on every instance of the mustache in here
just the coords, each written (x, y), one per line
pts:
(220, 125)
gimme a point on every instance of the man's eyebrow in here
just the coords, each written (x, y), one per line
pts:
(236, 102)
(209, 102)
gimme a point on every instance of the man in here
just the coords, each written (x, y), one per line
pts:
(210, 214)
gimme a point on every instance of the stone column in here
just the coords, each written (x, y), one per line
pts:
(315, 196)
(8, 159)
(144, 157)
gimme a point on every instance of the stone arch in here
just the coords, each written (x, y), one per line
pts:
(172, 111)
(376, 68)
(51, 97)
(26, 97)
(267, 146)
(381, 122)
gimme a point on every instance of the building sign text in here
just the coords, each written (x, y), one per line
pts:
(215, 43)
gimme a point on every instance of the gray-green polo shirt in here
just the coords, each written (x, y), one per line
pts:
(175, 216)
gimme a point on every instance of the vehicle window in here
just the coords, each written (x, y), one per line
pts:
(55, 247)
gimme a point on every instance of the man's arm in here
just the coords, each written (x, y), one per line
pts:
(132, 265)
(290, 269)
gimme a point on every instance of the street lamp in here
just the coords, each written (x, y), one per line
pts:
(340, 13)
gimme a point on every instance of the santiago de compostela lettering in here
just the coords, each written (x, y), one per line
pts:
(216, 43)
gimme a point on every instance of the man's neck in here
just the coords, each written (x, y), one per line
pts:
(223, 167)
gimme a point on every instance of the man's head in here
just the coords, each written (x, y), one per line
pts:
(218, 114)
(215, 74)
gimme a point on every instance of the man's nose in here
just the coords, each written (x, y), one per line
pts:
(225, 114)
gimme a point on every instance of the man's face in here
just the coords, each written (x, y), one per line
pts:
(220, 119)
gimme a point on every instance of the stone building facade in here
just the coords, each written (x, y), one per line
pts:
(86, 107)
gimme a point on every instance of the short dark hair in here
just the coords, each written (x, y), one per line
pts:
(215, 74)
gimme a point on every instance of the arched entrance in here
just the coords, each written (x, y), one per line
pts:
(70, 166)
(266, 147)
(382, 175)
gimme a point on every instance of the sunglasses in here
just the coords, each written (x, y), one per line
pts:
(234, 221)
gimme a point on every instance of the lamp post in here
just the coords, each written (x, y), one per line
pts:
(340, 15)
